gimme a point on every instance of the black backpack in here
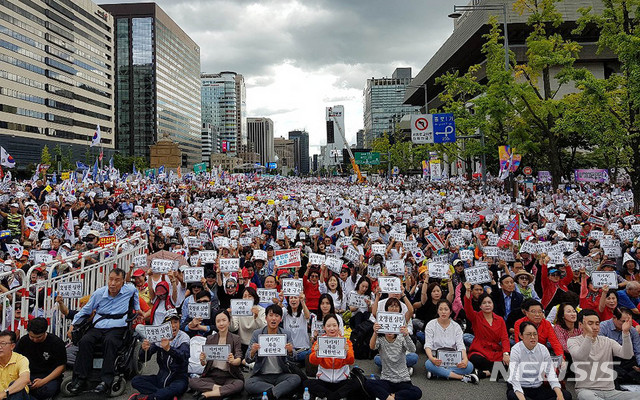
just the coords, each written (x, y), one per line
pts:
(360, 337)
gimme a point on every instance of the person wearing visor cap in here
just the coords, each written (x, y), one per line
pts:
(554, 285)
(172, 379)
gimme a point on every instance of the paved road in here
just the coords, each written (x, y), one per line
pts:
(431, 389)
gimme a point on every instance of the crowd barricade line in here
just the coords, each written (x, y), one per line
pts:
(91, 268)
(13, 319)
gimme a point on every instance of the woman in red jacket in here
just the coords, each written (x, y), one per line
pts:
(332, 381)
(554, 286)
(491, 342)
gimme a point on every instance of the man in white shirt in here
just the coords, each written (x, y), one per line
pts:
(593, 357)
(529, 365)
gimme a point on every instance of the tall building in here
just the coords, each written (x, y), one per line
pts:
(285, 150)
(383, 102)
(56, 77)
(157, 78)
(209, 141)
(223, 105)
(260, 139)
(334, 117)
(360, 139)
(302, 138)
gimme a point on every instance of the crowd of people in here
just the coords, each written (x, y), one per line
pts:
(299, 278)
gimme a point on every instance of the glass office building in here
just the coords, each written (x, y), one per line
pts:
(56, 77)
(157, 80)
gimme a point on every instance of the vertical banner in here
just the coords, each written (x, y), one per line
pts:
(435, 168)
(425, 169)
(225, 146)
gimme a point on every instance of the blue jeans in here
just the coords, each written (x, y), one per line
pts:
(468, 339)
(301, 356)
(412, 359)
(154, 386)
(445, 372)
(420, 337)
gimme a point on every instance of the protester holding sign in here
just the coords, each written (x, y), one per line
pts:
(444, 334)
(533, 313)
(220, 378)
(332, 380)
(196, 325)
(172, 353)
(566, 326)
(554, 285)
(491, 341)
(326, 307)
(395, 379)
(334, 289)
(162, 302)
(270, 373)
(361, 313)
(400, 304)
(244, 326)
(311, 287)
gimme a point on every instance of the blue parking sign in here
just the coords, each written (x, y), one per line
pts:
(444, 128)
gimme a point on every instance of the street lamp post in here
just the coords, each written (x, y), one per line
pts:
(457, 13)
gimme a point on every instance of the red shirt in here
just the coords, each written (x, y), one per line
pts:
(490, 341)
(549, 288)
(545, 334)
(311, 293)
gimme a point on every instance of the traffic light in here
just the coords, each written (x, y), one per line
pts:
(330, 137)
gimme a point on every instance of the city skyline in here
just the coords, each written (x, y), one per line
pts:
(310, 56)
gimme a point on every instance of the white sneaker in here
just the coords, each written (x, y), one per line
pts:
(250, 365)
(410, 371)
(428, 374)
(470, 378)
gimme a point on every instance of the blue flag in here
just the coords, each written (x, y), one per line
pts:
(81, 166)
(111, 163)
(54, 178)
(161, 170)
(135, 171)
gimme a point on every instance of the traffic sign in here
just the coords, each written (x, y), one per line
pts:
(198, 168)
(433, 128)
(367, 158)
(527, 170)
(422, 128)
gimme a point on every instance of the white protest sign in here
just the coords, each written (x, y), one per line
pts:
(199, 310)
(260, 255)
(477, 275)
(334, 264)
(373, 271)
(390, 284)
(356, 300)
(216, 352)
(70, 290)
(438, 270)
(193, 274)
(272, 345)
(140, 261)
(602, 278)
(378, 248)
(450, 359)
(291, 287)
(43, 258)
(466, 255)
(208, 256)
(160, 266)
(156, 333)
(331, 347)
(390, 322)
(395, 267)
(316, 259)
(241, 307)
(267, 295)
(229, 265)
(352, 254)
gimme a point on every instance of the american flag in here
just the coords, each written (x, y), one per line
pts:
(209, 224)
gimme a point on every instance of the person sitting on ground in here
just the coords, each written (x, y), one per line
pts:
(47, 357)
(14, 369)
(533, 313)
(172, 379)
(395, 379)
(491, 341)
(444, 334)
(245, 325)
(220, 378)
(629, 297)
(593, 359)
(566, 326)
(270, 373)
(530, 364)
(332, 381)
(627, 369)
(199, 326)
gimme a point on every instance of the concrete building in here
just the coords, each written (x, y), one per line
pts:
(157, 79)
(285, 150)
(260, 139)
(56, 80)
(223, 102)
(383, 101)
(225, 161)
(464, 47)
(302, 161)
(209, 142)
(334, 117)
(360, 139)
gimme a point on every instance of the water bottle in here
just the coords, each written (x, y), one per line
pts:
(306, 395)
(373, 377)
(264, 396)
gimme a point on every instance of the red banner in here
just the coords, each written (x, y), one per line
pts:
(512, 232)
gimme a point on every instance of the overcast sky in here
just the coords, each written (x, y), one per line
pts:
(299, 57)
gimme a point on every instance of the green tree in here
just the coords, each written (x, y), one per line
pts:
(617, 97)
(45, 157)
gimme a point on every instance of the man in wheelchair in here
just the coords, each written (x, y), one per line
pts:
(111, 304)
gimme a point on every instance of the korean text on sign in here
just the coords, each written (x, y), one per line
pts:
(241, 307)
(389, 284)
(216, 352)
(291, 287)
(390, 322)
(602, 278)
(194, 274)
(331, 347)
(70, 290)
(450, 358)
(272, 345)
(199, 310)
(156, 333)
(161, 266)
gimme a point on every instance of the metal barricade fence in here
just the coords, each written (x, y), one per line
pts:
(89, 270)
(13, 317)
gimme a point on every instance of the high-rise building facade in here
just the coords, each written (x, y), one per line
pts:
(302, 137)
(260, 139)
(56, 77)
(360, 139)
(334, 117)
(383, 102)
(223, 103)
(158, 82)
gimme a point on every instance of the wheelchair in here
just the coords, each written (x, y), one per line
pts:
(127, 365)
